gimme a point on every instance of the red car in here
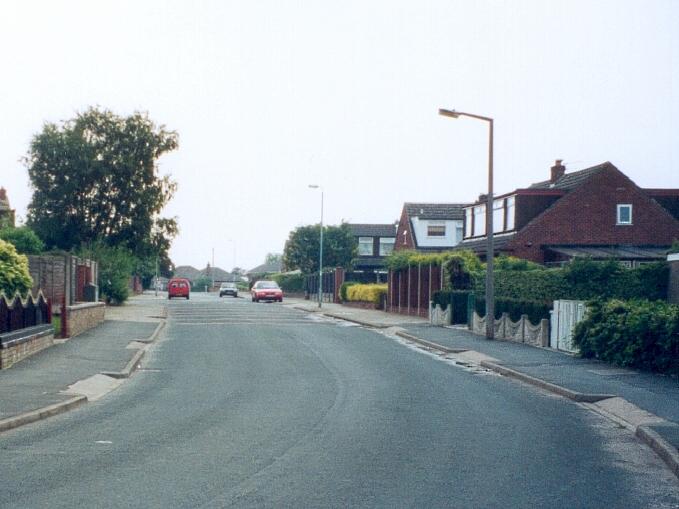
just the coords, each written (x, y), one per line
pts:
(178, 287)
(266, 290)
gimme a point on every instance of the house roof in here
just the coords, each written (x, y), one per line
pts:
(217, 273)
(267, 268)
(373, 230)
(480, 244)
(435, 210)
(187, 271)
(621, 252)
(571, 180)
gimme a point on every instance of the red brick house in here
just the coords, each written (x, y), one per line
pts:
(430, 226)
(597, 212)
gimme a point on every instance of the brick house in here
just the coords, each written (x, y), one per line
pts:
(430, 226)
(597, 212)
(373, 242)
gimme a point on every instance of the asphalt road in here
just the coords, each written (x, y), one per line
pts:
(259, 405)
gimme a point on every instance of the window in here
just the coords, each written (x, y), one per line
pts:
(498, 215)
(468, 222)
(386, 245)
(479, 220)
(437, 229)
(458, 232)
(365, 246)
(624, 214)
(510, 212)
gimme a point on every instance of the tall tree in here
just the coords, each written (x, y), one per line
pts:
(95, 179)
(302, 248)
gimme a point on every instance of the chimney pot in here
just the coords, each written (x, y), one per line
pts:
(557, 171)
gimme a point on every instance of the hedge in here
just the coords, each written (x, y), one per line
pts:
(14, 272)
(535, 310)
(291, 283)
(636, 333)
(581, 280)
(366, 293)
(343, 290)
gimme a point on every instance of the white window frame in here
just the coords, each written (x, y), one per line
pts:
(363, 241)
(479, 221)
(511, 208)
(387, 241)
(619, 208)
(437, 224)
(468, 223)
(498, 215)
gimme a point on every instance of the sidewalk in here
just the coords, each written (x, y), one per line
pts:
(91, 364)
(646, 403)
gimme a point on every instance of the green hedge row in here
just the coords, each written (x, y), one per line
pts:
(581, 280)
(290, 283)
(536, 310)
(637, 333)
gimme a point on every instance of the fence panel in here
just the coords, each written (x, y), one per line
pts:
(565, 315)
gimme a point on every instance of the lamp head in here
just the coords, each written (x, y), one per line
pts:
(448, 113)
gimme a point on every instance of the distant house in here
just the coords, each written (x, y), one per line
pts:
(374, 242)
(213, 273)
(597, 212)
(7, 214)
(274, 267)
(430, 226)
(187, 272)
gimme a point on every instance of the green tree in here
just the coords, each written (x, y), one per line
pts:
(116, 264)
(273, 258)
(302, 248)
(23, 238)
(14, 274)
(95, 179)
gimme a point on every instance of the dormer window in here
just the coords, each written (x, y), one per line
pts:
(624, 216)
(436, 229)
(365, 246)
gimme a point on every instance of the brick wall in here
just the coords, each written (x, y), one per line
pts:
(15, 347)
(404, 241)
(82, 317)
(587, 216)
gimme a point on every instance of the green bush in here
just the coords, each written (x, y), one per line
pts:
(366, 293)
(535, 310)
(199, 284)
(14, 274)
(343, 290)
(504, 262)
(24, 239)
(636, 333)
(459, 300)
(116, 265)
(291, 283)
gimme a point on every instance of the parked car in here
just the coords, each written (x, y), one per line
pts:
(178, 287)
(228, 289)
(266, 290)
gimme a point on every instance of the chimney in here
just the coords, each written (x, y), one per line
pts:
(557, 171)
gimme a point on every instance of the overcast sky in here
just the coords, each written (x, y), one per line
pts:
(271, 96)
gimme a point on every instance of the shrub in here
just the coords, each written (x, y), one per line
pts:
(24, 239)
(366, 293)
(292, 283)
(343, 290)
(14, 274)
(636, 333)
(116, 265)
(535, 310)
(199, 284)
(504, 262)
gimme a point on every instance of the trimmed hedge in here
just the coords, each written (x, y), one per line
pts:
(366, 293)
(637, 333)
(14, 274)
(536, 310)
(581, 280)
(291, 283)
(343, 290)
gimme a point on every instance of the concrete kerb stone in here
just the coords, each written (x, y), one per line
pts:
(132, 365)
(662, 448)
(41, 413)
(429, 344)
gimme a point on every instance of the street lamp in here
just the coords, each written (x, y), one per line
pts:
(320, 256)
(490, 290)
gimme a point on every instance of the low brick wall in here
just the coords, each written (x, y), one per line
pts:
(17, 345)
(82, 317)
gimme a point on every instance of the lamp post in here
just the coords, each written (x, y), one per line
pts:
(320, 256)
(490, 289)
